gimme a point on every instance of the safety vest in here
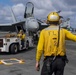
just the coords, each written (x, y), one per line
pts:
(50, 36)
(22, 37)
(51, 41)
(48, 40)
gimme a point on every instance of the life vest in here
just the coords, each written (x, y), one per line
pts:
(51, 41)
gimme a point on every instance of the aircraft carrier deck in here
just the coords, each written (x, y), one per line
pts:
(28, 68)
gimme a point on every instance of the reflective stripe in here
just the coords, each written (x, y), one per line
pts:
(52, 28)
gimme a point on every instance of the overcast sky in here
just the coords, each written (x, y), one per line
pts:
(42, 8)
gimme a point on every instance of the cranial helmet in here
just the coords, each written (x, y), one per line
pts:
(53, 17)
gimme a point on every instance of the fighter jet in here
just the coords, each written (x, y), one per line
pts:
(29, 23)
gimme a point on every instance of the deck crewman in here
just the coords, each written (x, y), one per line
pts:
(52, 45)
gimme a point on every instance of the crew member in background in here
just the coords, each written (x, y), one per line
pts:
(52, 45)
(22, 35)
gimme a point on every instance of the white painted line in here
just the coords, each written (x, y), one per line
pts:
(11, 61)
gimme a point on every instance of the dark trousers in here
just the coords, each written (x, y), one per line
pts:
(56, 66)
(22, 43)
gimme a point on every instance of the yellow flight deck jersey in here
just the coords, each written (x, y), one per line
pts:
(48, 40)
(22, 37)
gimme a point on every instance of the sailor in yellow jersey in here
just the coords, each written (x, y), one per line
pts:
(21, 35)
(52, 45)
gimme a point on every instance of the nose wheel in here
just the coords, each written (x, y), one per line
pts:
(27, 45)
